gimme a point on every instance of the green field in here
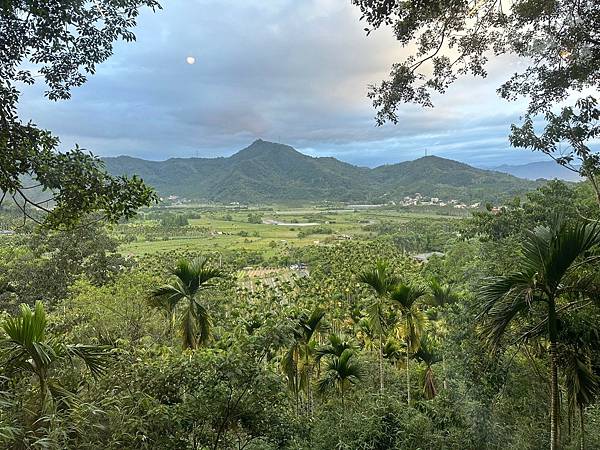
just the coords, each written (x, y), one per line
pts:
(224, 229)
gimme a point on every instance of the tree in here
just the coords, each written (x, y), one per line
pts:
(65, 40)
(547, 275)
(191, 278)
(557, 40)
(565, 139)
(405, 298)
(174, 220)
(340, 373)
(440, 297)
(27, 349)
(382, 281)
(579, 339)
(254, 218)
(337, 344)
(583, 386)
(49, 262)
(441, 294)
(426, 354)
(297, 362)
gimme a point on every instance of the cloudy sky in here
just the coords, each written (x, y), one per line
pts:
(283, 70)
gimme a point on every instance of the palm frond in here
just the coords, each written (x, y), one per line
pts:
(392, 350)
(337, 345)
(583, 385)
(441, 294)
(427, 352)
(25, 347)
(376, 316)
(339, 372)
(523, 283)
(289, 366)
(571, 241)
(195, 274)
(379, 278)
(499, 317)
(189, 328)
(185, 271)
(429, 389)
(347, 367)
(204, 323)
(327, 382)
(95, 357)
(312, 324)
(27, 327)
(166, 297)
(405, 296)
(207, 274)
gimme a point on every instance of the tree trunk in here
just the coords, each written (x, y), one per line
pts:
(444, 368)
(296, 386)
(594, 183)
(581, 428)
(407, 371)
(381, 363)
(309, 389)
(554, 401)
(43, 392)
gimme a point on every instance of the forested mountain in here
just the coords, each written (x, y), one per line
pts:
(267, 171)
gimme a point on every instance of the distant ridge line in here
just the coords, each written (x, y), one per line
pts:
(271, 172)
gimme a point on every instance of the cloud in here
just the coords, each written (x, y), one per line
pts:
(289, 71)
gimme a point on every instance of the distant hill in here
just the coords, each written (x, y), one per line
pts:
(547, 170)
(270, 172)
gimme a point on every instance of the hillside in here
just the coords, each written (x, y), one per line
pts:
(270, 172)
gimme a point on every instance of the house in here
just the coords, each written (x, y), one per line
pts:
(424, 257)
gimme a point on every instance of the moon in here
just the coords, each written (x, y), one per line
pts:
(190, 60)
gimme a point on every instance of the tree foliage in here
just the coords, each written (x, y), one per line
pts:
(61, 42)
(557, 40)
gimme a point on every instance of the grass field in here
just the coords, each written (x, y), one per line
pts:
(224, 229)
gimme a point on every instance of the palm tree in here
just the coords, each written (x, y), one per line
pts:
(365, 334)
(382, 281)
(191, 277)
(297, 362)
(337, 344)
(550, 258)
(406, 299)
(440, 297)
(426, 354)
(340, 373)
(27, 349)
(393, 350)
(583, 387)
(579, 339)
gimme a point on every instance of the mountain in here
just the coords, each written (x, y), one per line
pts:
(547, 170)
(270, 172)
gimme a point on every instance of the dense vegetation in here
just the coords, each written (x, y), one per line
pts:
(488, 340)
(371, 350)
(269, 172)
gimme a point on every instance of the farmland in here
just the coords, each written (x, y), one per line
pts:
(268, 230)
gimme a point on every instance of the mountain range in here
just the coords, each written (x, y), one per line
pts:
(547, 170)
(271, 172)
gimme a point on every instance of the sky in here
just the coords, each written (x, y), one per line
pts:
(288, 71)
